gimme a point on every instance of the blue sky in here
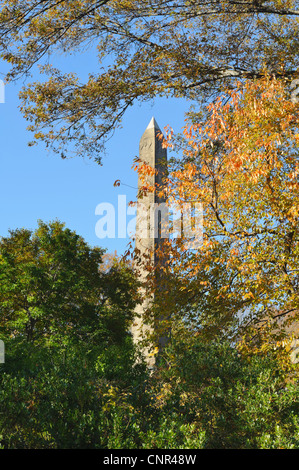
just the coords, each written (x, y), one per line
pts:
(37, 184)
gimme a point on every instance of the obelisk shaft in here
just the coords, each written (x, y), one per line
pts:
(148, 226)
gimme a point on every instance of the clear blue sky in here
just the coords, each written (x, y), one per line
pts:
(37, 184)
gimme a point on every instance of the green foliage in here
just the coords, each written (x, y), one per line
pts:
(172, 433)
(52, 289)
(207, 397)
(62, 405)
(78, 381)
(240, 402)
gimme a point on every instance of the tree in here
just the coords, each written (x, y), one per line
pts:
(51, 289)
(241, 163)
(239, 401)
(156, 48)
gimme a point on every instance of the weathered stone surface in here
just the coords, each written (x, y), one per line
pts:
(148, 227)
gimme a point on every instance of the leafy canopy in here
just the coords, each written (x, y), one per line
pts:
(51, 288)
(241, 163)
(145, 49)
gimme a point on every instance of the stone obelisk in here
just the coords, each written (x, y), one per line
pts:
(150, 217)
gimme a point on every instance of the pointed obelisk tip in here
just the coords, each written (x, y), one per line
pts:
(153, 124)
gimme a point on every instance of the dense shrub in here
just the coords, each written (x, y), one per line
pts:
(205, 397)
